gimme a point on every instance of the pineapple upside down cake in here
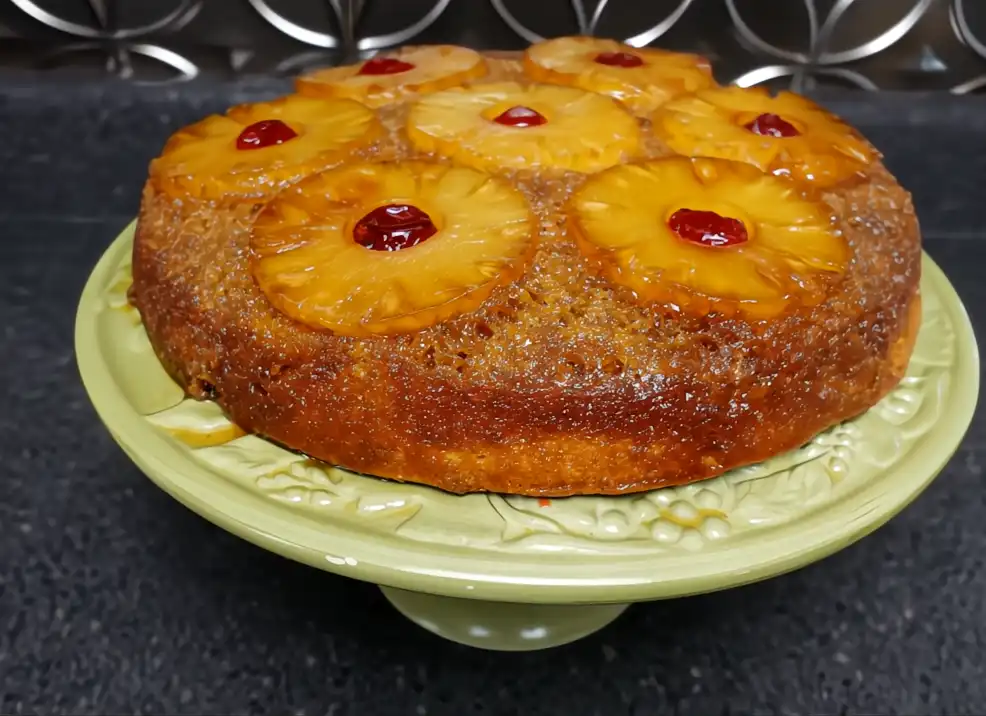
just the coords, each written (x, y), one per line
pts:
(586, 270)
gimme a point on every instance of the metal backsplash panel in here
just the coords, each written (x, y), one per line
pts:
(866, 44)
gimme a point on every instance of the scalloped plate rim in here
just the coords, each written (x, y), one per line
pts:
(423, 567)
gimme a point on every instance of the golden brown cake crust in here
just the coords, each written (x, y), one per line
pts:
(560, 383)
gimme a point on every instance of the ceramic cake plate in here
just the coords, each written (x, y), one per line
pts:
(518, 573)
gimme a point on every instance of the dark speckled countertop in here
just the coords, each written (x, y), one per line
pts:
(115, 599)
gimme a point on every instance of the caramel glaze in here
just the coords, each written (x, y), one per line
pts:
(560, 383)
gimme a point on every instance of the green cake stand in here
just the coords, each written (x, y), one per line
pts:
(518, 573)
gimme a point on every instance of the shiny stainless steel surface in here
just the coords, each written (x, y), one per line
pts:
(865, 44)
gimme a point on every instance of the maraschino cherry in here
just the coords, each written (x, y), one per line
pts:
(707, 228)
(385, 66)
(619, 59)
(265, 133)
(518, 116)
(393, 227)
(772, 125)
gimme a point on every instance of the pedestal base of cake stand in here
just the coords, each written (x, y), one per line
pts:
(502, 626)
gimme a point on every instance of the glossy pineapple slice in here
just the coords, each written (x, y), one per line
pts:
(786, 135)
(507, 125)
(641, 78)
(709, 235)
(396, 76)
(390, 247)
(255, 150)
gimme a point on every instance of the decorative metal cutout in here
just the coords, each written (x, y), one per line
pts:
(119, 43)
(822, 54)
(960, 24)
(819, 58)
(347, 14)
(587, 22)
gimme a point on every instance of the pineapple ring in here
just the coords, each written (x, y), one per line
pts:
(202, 159)
(308, 264)
(584, 132)
(790, 253)
(660, 76)
(714, 123)
(435, 67)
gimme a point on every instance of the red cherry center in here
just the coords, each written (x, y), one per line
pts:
(707, 228)
(772, 125)
(619, 59)
(385, 66)
(265, 133)
(521, 117)
(393, 227)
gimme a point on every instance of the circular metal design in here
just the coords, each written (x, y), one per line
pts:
(119, 61)
(960, 24)
(291, 28)
(188, 69)
(120, 50)
(878, 44)
(302, 62)
(773, 72)
(748, 34)
(174, 20)
(648, 36)
(347, 17)
(820, 36)
(514, 23)
(378, 42)
(972, 85)
(581, 19)
(587, 24)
